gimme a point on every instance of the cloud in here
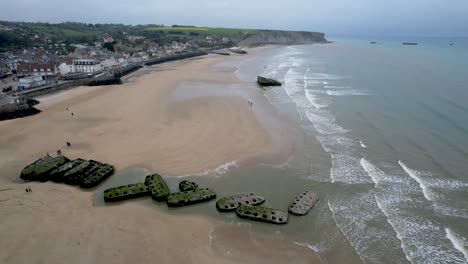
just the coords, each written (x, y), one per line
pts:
(419, 17)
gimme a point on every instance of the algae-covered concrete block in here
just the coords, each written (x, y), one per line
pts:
(302, 204)
(97, 176)
(40, 169)
(263, 81)
(57, 174)
(263, 214)
(158, 187)
(190, 197)
(126, 192)
(187, 186)
(75, 175)
(231, 203)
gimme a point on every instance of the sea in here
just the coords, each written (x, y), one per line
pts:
(380, 132)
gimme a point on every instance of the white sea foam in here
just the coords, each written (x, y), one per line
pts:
(354, 215)
(343, 231)
(345, 92)
(447, 184)
(225, 167)
(417, 177)
(347, 169)
(211, 236)
(374, 173)
(316, 248)
(458, 242)
(362, 144)
(445, 210)
(222, 169)
(419, 236)
(336, 87)
(314, 100)
(398, 234)
(325, 123)
(323, 76)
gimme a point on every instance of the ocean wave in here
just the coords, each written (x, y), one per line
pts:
(337, 143)
(447, 210)
(316, 248)
(458, 242)
(211, 236)
(222, 169)
(225, 167)
(322, 76)
(374, 173)
(356, 217)
(317, 102)
(398, 234)
(336, 87)
(416, 175)
(345, 93)
(362, 144)
(430, 183)
(347, 169)
(325, 123)
(420, 237)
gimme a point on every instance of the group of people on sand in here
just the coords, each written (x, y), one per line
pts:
(59, 151)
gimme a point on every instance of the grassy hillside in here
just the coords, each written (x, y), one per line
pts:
(20, 34)
(24, 34)
(234, 34)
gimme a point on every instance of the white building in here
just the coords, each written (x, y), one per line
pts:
(87, 66)
(30, 82)
(67, 66)
(76, 66)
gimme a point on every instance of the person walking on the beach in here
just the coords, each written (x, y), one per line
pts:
(68, 144)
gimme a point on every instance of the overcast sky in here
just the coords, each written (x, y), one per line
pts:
(357, 17)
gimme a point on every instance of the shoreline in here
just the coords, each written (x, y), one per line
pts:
(157, 131)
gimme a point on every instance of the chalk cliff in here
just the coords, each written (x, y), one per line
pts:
(262, 37)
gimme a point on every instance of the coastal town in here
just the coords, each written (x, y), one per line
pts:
(56, 61)
(43, 58)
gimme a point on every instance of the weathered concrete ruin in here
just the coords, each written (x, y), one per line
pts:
(86, 173)
(303, 202)
(263, 214)
(126, 192)
(231, 203)
(158, 187)
(263, 81)
(40, 169)
(190, 197)
(187, 186)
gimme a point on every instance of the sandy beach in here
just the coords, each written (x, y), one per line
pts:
(140, 123)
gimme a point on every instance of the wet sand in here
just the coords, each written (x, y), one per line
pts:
(135, 124)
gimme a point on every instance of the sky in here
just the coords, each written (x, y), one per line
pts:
(336, 17)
